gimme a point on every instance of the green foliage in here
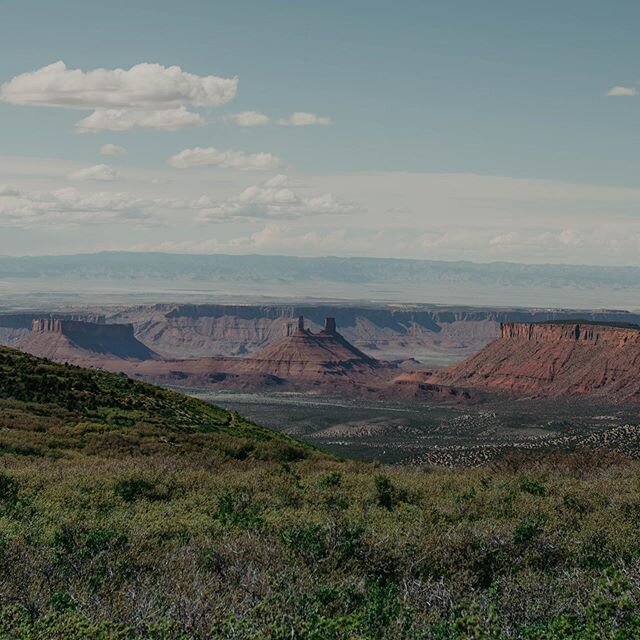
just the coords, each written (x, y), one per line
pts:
(238, 509)
(338, 542)
(527, 530)
(8, 490)
(384, 492)
(533, 487)
(138, 488)
(129, 512)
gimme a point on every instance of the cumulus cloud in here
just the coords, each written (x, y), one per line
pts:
(297, 119)
(304, 119)
(99, 173)
(211, 157)
(145, 85)
(112, 150)
(250, 119)
(125, 119)
(271, 199)
(146, 95)
(622, 91)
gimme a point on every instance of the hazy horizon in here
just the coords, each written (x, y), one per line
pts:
(153, 277)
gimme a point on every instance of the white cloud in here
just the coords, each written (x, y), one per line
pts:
(570, 237)
(433, 216)
(303, 119)
(99, 173)
(69, 206)
(250, 119)
(504, 239)
(211, 157)
(271, 199)
(622, 91)
(112, 150)
(146, 95)
(125, 119)
(143, 86)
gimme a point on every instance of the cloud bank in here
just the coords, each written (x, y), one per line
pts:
(273, 199)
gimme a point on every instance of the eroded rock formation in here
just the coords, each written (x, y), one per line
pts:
(301, 360)
(83, 342)
(555, 360)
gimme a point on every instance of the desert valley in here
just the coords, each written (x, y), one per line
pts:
(396, 383)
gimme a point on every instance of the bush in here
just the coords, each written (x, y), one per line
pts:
(8, 490)
(527, 530)
(237, 508)
(384, 492)
(138, 488)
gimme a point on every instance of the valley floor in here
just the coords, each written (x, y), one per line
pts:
(437, 433)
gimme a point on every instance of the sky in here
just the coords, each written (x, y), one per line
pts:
(459, 130)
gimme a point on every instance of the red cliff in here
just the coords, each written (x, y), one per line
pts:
(83, 342)
(555, 360)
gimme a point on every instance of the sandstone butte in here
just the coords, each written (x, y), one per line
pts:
(553, 360)
(299, 361)
(83, 343)
(528, 360)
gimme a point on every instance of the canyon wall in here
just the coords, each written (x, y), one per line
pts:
(578, 332)
(80, 342)
(555, 360)
(434, 335)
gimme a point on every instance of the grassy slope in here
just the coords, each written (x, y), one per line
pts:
(128, 511)
(53, 410)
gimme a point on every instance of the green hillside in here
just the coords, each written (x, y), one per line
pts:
(60, 411)
(131, 512)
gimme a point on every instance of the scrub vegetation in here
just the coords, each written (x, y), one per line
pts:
(131, 512)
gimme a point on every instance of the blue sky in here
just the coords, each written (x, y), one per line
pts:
(510, 97)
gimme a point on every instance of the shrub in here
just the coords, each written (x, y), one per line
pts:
(533, 487)
(527, 530)
(384, 492)
(138, 488)
(237, 508)
(8, 490)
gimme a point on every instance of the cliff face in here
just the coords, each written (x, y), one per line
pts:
(315, 357)
(584, 333)
(438, 336)
(82, 342)
(434, 335)
(301, 360)
(555, 360)
(81, 328)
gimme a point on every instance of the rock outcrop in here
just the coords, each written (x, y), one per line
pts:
(83, 343)
(434, 335)
(304, 356)
(555, 360)
(301, 360)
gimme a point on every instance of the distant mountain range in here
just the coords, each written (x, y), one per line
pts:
(377, 278)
